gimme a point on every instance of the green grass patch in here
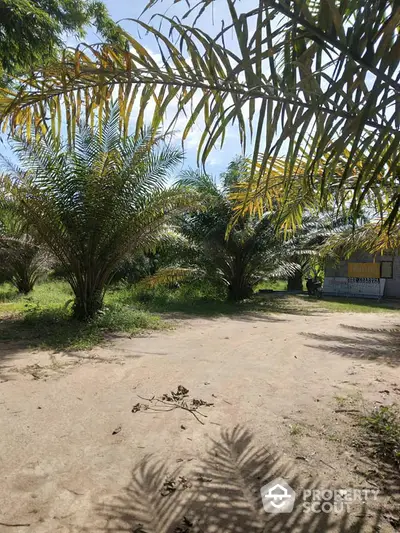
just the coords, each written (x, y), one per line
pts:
(274, 285)
(199, 299)
(43, 319)
(357, 305)
(50, 295)
(203, 299)
(303, 304)
(382, 429)
(8, 293)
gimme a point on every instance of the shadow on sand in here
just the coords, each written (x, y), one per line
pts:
(222, 495)
(380, 345)
(256, 307)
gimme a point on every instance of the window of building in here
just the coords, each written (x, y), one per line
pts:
(387, 269)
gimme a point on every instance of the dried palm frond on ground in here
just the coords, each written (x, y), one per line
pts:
(174, 400)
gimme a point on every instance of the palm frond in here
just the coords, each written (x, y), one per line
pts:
(369, 237)
(312, 79)
(167, 276)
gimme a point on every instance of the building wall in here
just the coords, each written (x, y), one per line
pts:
(392, 286)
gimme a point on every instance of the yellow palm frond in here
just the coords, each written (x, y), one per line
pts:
(319, 84)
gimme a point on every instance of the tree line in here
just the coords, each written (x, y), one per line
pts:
(313, 89)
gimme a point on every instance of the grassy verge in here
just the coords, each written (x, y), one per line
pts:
(192, 299)
(43, 319)
(204, 300)
(358, 305)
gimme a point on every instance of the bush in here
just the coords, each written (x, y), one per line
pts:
(185, 293)
(119, 317)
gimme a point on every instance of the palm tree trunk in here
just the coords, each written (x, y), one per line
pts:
(238, 290)
(88, 301)
(295, 282)
(24, 286)
(23, 282)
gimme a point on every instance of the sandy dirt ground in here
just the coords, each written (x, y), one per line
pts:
(75, 458)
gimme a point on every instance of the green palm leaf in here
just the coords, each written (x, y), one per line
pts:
(323, 75)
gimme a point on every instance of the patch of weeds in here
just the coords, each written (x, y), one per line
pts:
(8, 293)
(382, 428)
(341, 400)
(295, 429)
(194, 299)
(204, 299)
(348, 402)
(127, 319)
(332, 437)
(54, 329)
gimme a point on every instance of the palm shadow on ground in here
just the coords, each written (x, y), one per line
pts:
(223, 496)
(54, 329)
(259, 306)
(374, 344)
(50, 329)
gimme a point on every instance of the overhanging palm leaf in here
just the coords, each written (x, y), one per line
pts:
(292, 199)
(368, 237)
(315, 74)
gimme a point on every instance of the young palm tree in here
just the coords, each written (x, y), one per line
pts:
(309, 240)
(237, 258)
(96, 202)
(22, 260)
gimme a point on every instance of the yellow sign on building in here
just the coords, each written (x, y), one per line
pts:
(364, 270)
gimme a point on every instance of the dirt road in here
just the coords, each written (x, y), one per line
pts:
(74, 458)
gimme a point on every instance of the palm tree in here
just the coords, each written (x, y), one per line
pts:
(309, 241)
(22, 260)
(237, 258)
(96, 202)
(312, 79)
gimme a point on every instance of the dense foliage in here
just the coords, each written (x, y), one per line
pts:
(314, 82)
(32, 30)
(96, 203)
